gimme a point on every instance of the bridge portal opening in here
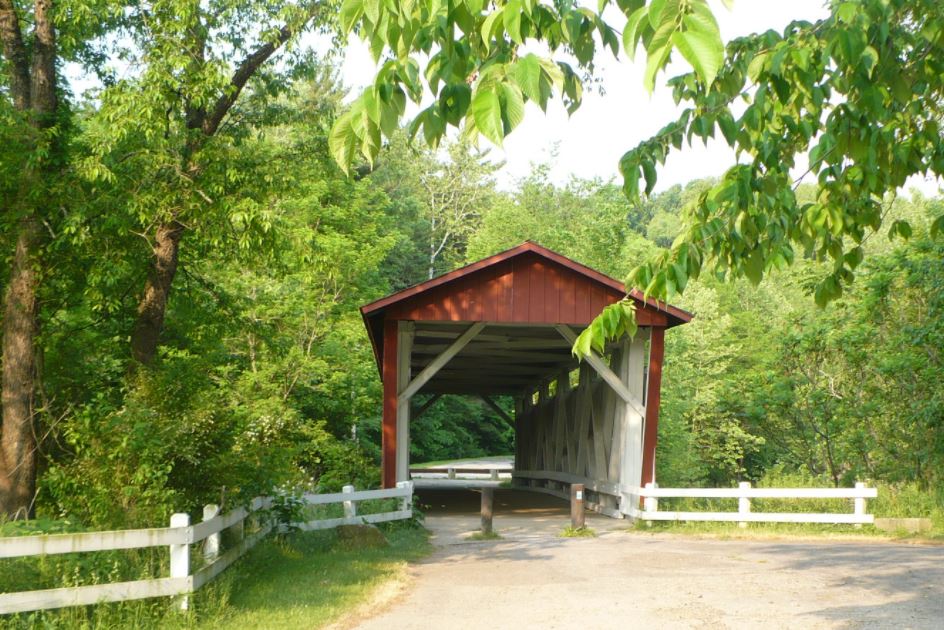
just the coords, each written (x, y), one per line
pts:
(505, 325)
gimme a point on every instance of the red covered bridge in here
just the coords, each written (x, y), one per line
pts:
(505, 325)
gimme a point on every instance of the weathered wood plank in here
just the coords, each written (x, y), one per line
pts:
(97, 593)
(17, 546)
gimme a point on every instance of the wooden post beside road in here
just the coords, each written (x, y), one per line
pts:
(576, 505)
(488, 495)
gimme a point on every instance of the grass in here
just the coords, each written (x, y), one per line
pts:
(302, 580)
(307, 581)
(577, 532)
(492, 535)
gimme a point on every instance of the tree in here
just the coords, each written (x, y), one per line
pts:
(174, 120)
(859, 91)
(31, 103)
(447, 190)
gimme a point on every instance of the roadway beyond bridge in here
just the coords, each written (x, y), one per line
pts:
(532, 579)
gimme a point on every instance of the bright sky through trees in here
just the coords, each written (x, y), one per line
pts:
(590, 143)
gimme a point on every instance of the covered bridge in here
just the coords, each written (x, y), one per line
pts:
(505, 325)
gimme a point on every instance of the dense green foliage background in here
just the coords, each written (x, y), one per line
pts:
(263, 375)
(266, 376)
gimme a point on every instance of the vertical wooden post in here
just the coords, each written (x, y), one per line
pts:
(451, 473)
(406, 502)
(488, 496)
(494, 474)
(576, 505)
(744, 503)
(350, 510)
(653, 394)
(859, 503)
(388, 436)
(650, 504)
(404, 354)
(180, 556)
(211, 546)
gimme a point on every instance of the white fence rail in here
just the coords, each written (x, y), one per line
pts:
(178, 538)
(744, 493)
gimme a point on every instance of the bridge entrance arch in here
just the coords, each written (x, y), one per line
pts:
(505, 325)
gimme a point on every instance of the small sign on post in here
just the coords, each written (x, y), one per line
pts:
(576, 505)
(488, 495)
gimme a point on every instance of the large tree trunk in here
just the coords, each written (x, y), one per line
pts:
(32, 85)
(18, 441)
(145, 338)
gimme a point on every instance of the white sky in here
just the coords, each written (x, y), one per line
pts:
(591, 142)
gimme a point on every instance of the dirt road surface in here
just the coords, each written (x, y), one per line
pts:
(533, 579)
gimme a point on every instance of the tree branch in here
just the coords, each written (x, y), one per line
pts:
(248, 68)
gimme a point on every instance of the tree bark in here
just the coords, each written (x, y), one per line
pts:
(147, 329)
(18, 441)
(32, 85)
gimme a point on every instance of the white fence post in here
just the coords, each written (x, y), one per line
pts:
(494, 474)
(744, 503)
(180, 556)
(406, 503)
(859, 503)
(211, 546)
(451, 473)
(350, 510)
(650, 504)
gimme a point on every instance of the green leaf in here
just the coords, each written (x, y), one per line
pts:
(529, 77)
(756, 66)
(372, 10)
(511, 17)
(351, 12)
(703, 50)
(341, 141)
(632, 32)
(657, 54)
(487, 113)
(583, 344)
(488, 26)
(754, 266)
(512, 106)
(701, 45)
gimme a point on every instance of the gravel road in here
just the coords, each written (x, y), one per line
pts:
(532, 579)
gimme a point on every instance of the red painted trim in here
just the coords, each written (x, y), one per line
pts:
(653, 394)
(388, 439)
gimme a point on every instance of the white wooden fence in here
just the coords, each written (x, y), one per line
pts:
(744, 493)
(178, 538)
(557, 483)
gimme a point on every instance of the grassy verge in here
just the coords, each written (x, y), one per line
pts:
(306, 581)
(303, 580)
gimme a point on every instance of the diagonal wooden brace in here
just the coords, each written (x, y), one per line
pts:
(598, 364)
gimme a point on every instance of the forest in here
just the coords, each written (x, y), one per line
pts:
(184, 259)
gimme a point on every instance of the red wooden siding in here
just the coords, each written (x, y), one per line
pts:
(525, 289)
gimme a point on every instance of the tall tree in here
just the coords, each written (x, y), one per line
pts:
(30, 60)
(185, 97)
